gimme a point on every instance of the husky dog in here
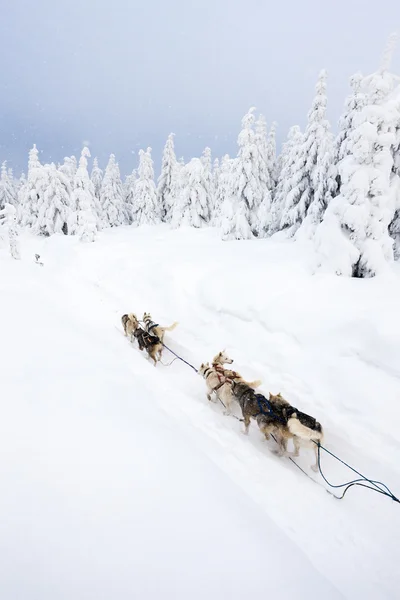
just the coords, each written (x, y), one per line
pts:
(219, 380)
(306, 432)
(222, 359)
(155, 329)
(149, 342)
(277, 416)
(129, 323)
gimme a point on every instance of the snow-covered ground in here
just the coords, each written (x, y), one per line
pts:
(121, 481)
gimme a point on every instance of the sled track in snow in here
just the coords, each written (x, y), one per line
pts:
(362, 481)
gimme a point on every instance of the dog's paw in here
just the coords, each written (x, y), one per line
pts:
(314, 468)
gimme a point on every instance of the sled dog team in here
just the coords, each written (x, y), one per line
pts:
(274, 415)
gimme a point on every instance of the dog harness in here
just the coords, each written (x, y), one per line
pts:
(147, 338)
(220, 373)
(263, 400)
(150, 325)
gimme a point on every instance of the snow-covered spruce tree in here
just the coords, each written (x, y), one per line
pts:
(263, 221)
(206, 160)
(68, 168)
(83, 220)
(271, 158)
(224, 181)
(394, 227)
(146, 209)
(9, 214)
(112, 201)
(240, 209)
(7, 188)
(54, 208)
(286, 179)
(31, 194)
(353, 105)
(96, 177)
(310, 180)
(353, 238)
(192, 207)
(166, 182)
(215, 190)
(129, 194)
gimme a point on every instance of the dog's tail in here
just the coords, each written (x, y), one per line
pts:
(303, 432)
(171, 327)
(253, 384)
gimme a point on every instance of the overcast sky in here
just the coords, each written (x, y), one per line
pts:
(122, 74)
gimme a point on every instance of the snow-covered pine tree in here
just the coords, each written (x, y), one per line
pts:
(271, 158)
(9, 214)
(112, 201)
(266, 161)
(206, 160)
(215, 191)
(354, 103)
(353, 238)
(96, 177)
(146, 209)
(7, 188)
(394, 227)
(31, 194)
(192, 207)
(68, 168)
(166, 185)
(83, 220)
(54, 207)
(129, 194)
(310, 182)
(240, 209)
(286, 178)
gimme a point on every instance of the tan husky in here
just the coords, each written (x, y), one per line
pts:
(219, 380)
(155, 329)
(129, 323)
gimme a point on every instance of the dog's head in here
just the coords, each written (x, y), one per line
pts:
(222, 358)
(146, 317)
(278, 398)
(203, 368)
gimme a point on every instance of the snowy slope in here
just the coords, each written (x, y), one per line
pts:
(121, 480)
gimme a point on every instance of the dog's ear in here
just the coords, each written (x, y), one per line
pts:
(270, 396)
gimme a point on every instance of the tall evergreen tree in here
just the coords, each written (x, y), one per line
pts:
(31, 194)
(96, 178)
(206, 160)
(166, 182)
(7, 189)
(8, 215)
(222, 190)
(192, 208)
(309, 184)
(54, 208)
(146, 209)
(272, 158)
(68, 168)
(240, 213)
(288, 175)
(356, 223)
(112, 201)
(84, 219)
(129, 194)
(265, 164)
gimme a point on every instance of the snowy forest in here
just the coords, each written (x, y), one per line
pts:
(340, 192)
